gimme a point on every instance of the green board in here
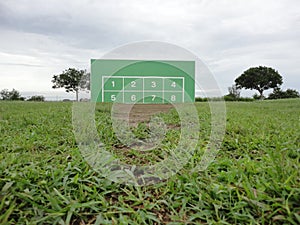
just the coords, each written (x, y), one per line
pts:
(141, 81)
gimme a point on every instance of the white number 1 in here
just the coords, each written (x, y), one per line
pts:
(113, 83)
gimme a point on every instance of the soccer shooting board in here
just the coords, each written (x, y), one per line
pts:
(142, 81)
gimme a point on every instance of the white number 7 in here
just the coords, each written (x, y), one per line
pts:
(153, 97)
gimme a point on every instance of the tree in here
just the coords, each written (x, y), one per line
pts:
(256, 96)
(5, 94)
(259, 78)
(289, 93)
(72, 80)
(234, 92)
(37, 98)
(12, 95)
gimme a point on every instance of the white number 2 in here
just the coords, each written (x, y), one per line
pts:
(133, 84)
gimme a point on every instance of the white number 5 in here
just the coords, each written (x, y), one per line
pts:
(113, 98)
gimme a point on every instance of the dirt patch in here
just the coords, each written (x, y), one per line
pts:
(139, 112)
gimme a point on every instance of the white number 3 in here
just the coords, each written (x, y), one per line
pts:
(153, 84)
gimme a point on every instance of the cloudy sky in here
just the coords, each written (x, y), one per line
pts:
(41, 38)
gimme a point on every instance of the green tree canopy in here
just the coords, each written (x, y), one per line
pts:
(234, 92)
(12, 95)
(37, 98)
(289, 93)
(72, 80)
(259, 78)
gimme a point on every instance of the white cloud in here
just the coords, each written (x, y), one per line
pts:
(38, 39)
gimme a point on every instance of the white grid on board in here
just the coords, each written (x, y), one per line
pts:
(143, 86)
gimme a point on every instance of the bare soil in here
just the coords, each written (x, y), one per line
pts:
(139, 112)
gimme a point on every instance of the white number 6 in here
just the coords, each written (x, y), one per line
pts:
(133, 98)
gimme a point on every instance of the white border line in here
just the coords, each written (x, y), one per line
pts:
(123, 83)
(140, 77)
(143, 89)
(163, 90)
(102, 89)
(183, 91)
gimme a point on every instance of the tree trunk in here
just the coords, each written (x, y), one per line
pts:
(76, 95)
(261, 97)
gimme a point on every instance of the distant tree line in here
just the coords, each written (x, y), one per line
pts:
(36, 98)
(289, 93)
(12, 95)
(235, 96)
(15, 95)
(259, 78)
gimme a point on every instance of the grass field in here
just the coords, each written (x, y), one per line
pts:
(255, 178)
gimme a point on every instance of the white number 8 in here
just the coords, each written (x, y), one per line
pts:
(173, 98)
